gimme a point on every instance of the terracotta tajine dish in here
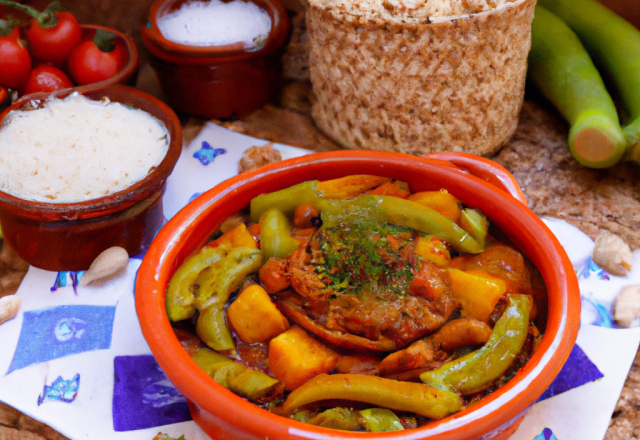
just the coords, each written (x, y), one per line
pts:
(476, 182)
(405, 76)
(69, 236)
(216, 81)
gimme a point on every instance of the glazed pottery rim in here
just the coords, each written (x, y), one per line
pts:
(161, 47)
(492, 412)
(114, 202)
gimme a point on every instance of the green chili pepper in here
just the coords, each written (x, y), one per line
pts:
(477, 370)
(301, 416)
(285, 200)
(337, 418)
(475, 223)
(214, 286)
(381, 420)
(180, 298)
(256, 385)
(213, 329)
(402, 396)
(275, 235)
(386, 209)
(252, 384)
(209, 360)
(614, 45)
(217, 283)
(400, 212)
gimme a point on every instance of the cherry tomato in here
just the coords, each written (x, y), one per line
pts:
(45, 78)
(53, 44)
(15, 62)
(96, 60)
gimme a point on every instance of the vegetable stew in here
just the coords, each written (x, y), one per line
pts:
(356, 304)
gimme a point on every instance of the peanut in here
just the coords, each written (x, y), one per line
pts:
(612, 254)
(9, 306)
(107, 264)
(627, 306)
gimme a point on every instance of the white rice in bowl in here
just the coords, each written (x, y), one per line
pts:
(74, 149)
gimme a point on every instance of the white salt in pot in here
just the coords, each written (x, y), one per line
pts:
(220, 81)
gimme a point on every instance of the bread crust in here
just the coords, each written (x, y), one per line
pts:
(419, 87)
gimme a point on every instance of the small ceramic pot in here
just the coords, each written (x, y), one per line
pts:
(69, 236)
(476, 182)
(216, 81)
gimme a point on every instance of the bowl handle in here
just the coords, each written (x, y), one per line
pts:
(486, 169)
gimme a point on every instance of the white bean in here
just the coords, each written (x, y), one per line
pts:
(627, 306)
(9, 306)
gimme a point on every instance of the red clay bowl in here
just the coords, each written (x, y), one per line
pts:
(224, 415)
(69, 236)
(216, 81)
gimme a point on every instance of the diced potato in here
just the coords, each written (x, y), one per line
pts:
(350, 186)
(440, 201)
(236, 237)
(433, 249)
(295, 357)
(254, 317)
(478, 292)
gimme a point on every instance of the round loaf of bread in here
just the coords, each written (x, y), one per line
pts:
(419, 77)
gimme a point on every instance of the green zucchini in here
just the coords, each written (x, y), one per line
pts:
(561, 68)
(614, 46)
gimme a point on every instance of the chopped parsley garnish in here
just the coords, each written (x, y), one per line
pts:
(366, 257)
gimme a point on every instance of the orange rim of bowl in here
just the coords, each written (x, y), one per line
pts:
(181, 236)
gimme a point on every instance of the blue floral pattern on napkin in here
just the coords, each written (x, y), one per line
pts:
(207, 154)
(62, 331)
(60, 390)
